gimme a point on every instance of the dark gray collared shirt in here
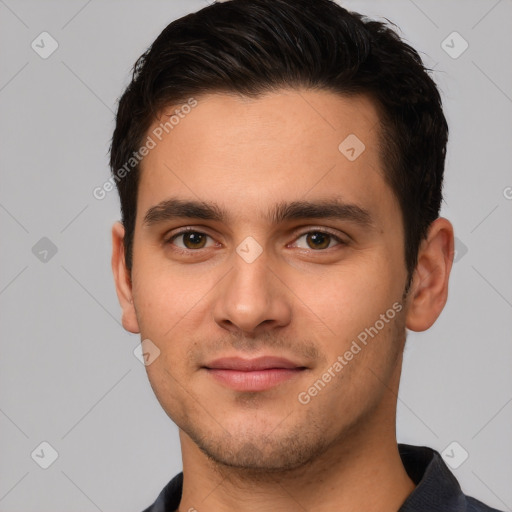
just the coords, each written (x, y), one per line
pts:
(437, 490)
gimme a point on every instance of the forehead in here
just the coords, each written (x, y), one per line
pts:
(285, 145)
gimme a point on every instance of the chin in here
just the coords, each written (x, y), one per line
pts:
(272, 451)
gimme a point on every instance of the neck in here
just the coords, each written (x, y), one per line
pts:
(359, 473)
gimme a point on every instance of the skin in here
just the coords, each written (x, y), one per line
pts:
(265, 450)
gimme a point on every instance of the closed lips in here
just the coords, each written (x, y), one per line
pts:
(249, 365)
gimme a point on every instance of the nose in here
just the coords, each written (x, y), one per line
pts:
(252, 298)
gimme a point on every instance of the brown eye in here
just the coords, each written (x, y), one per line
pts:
(318, 240)
(194, 240)
(189, 240)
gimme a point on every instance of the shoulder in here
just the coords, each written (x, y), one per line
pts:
(473, 505)
(169, 499)
(436, 486)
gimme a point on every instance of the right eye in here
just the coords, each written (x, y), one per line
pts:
(191, 240)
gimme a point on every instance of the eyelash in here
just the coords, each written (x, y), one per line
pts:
(170, 239)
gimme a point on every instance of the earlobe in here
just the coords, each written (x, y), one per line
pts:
(122, 279)
(429, 290)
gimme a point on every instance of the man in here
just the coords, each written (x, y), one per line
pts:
(280, 165)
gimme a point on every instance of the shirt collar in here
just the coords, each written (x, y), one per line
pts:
(436, 487)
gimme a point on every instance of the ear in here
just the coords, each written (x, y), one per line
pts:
(123, 280)
(429, 289)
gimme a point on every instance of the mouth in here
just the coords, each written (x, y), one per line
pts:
(256, 374)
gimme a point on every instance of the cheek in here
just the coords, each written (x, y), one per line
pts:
(167, 308)
(167, 296)
(171, 313)
(348, 298)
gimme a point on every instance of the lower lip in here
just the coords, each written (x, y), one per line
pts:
(258, 380)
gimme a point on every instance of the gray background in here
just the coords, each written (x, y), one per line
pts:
(68, 375)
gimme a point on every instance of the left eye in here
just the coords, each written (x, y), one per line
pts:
(318, 240)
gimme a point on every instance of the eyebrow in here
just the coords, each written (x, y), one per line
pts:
(175, 208)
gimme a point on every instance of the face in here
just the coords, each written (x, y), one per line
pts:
(260, 239)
